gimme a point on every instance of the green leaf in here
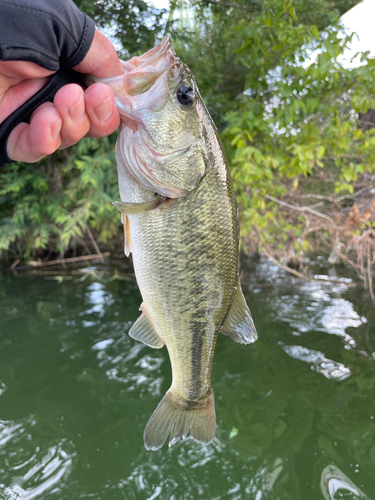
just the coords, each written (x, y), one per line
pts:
(233, 433)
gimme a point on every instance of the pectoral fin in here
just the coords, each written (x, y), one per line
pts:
(138, 208)
(127, 238)
(238, 324)
(144, 331)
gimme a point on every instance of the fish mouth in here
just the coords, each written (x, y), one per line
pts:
(141, 72)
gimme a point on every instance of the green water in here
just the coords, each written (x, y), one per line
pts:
(295, 411)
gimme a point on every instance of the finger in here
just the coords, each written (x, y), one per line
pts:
(101, 60)
(18, 94)
(13, 73)
(20, 70)
(101, 109)
(70, 103)
(29, 143)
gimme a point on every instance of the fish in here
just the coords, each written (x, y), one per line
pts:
(181, 225)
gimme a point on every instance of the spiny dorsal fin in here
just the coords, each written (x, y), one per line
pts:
(144, 331)
(138, 208)
(239, 324)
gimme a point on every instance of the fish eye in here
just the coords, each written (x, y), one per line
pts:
(185, 95)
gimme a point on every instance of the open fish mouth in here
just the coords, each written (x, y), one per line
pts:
(145, 69)
(141, 72)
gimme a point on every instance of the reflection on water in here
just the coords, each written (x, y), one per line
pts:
(317, 308)
(319, 363)
(97, 299)
(339, 316)
(76, 392)
(335, 485)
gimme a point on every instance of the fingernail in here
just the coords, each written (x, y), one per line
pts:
(56, 129)
(77, 112)
(104, 111)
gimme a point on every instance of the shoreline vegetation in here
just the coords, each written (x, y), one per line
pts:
(296, 123)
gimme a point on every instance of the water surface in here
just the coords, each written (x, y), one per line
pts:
(295, 411)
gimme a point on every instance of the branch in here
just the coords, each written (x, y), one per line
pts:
(94, 243)
(15, 263)
(302, 209)
(332, 200)
(286, 268)
(318, 197)
(296, 273)
(235, 6)
(357, 157)
(38, 263)
(365, 122)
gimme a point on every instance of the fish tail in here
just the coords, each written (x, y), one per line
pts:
(177, 418)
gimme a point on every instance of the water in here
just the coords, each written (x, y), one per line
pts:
(295, 411)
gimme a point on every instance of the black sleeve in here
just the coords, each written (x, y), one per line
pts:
(50, 33)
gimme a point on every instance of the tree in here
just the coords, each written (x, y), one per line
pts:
(300, 162)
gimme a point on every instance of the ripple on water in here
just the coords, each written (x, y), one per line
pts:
(318, 362)
(340, 315)
(29, 471)
(185, 469)
(131, 364)
(314, 309)
(2, 388)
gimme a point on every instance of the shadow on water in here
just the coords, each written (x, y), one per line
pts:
(295, 411)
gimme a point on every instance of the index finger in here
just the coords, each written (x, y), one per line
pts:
(101, 60)
(19, 80)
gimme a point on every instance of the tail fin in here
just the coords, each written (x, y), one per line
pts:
(178, 418)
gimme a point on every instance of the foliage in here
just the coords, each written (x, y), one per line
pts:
(134, 25)
(209, 43)
(295, 130)
(288, 111)
(51, 204)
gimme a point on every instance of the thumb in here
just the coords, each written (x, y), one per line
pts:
(101, 60)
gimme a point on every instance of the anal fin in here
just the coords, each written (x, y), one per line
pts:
(239, 324)
(144, 331)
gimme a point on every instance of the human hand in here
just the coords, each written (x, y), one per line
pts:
(74, 113)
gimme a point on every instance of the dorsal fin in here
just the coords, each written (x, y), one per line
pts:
(239, 324)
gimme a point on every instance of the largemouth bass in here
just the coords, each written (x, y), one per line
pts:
(180, 222)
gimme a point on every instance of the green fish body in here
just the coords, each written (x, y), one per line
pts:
(180, 223)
